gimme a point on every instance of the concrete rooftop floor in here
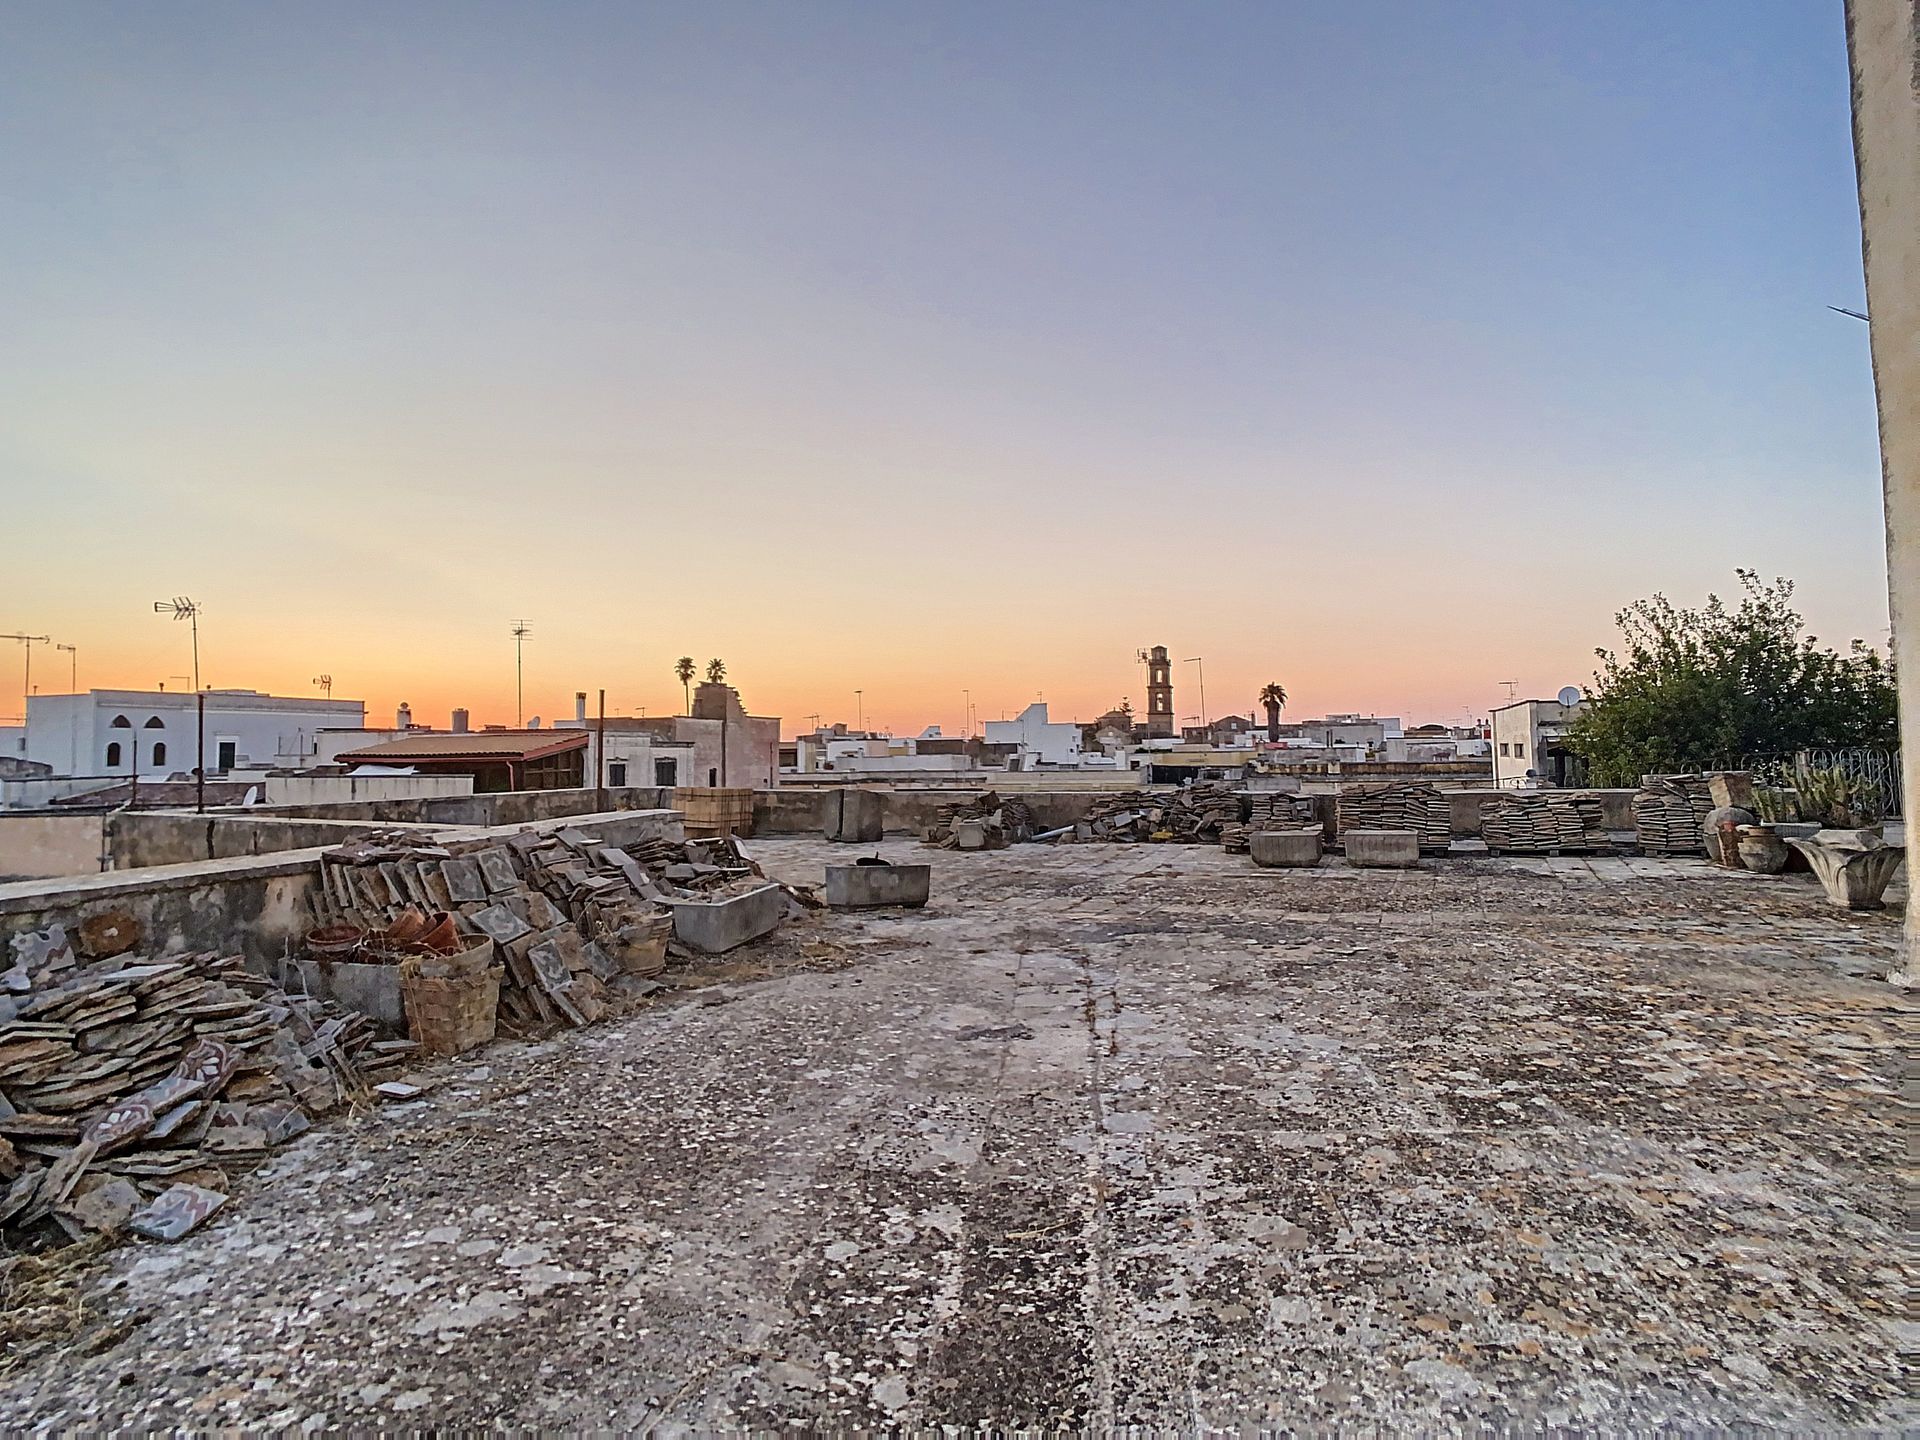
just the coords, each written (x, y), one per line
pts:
(1106, 1136)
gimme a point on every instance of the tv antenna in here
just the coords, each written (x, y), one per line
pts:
(521, 629)
(1513, 688)
(1842, 310)
(325, 685)
(181, 608)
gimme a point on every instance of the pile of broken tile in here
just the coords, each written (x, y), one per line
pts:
(131, 1088)
(1198, 814)
(569, 915)
(1005, 821)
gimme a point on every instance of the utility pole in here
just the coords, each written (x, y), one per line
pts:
(73, 679)
(200, 752)
(966, 715)
(600, 757)
(181, 608)
(26, 685)
(1195, 662)
(860, 711)
(520, 632)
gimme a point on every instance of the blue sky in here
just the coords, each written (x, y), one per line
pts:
(1383, 348)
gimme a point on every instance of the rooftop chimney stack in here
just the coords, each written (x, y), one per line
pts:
(403, 717)
(460, 722)
(579, 707)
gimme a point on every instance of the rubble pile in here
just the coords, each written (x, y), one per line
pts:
(1005, 820)
(564, 912)
(1540, 823)
(1198, 814)
(130, 1088)
(1398, 805)
(1670, 813)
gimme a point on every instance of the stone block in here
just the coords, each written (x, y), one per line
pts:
(1285, 849)
(1383, 849)
(970, 834)
(1730, 789)
(856, 816)
(866, 886)
(714, 927)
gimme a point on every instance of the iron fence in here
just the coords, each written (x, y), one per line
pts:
(1877, 768)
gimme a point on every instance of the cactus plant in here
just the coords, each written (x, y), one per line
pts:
(1836, 799)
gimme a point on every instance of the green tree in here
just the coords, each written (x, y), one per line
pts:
(1695, 689)
(684, 669)
(716, 671)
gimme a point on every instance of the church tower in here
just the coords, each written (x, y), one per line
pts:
(1159, 691)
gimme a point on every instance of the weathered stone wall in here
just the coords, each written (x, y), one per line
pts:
(34, 847)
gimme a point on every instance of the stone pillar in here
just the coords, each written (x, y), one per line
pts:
(1883, 44)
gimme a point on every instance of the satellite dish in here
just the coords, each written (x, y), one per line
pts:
(1570, 695)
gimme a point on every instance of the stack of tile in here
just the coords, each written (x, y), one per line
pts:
(122, 1076)
(1542, 823)
(1398, 805)
(566, 912)
(1266, 810)
(1670, 814)
(1012, 817)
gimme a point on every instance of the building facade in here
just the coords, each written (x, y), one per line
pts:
(124, 733)
(1529, 744)
(1040, 740)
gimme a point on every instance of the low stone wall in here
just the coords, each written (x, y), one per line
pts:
(39, 846)
(138, 839)
(797, 811)
(258, 906)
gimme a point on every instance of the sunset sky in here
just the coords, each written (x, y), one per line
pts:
(1384, 350)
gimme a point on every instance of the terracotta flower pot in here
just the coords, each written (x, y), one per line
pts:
(1762, 850)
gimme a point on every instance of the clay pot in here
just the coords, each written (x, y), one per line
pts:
(440, 935)
(1762, 850)
(334, 942)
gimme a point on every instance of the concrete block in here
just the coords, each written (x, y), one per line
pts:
(866, 885)
(373, 990)
(857, 816)
(1285, 849)
(970, 834)
(714, 927)
(1383, 849)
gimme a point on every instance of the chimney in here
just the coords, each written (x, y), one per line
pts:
(403, 717)
(460, 722)
(579, 707)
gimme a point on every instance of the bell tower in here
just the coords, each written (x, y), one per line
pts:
(1159, 690)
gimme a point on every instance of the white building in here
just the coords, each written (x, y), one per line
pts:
(153, 733)
(1527, 744)
(1041, 742)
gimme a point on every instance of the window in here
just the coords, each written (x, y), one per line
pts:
(113, 755)
(154, 722)
(1505, 748)
(229, 750)
(160, 752)
(713, 779)
(1519, 749)
(616, 772)
(120, 722)
(665, 772)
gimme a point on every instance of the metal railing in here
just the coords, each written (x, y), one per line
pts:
(1878, 768)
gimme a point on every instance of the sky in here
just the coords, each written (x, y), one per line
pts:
(1385, 350)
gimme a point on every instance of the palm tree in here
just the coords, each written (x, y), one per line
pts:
(1273, 695)
(716, 671)
(683, 669)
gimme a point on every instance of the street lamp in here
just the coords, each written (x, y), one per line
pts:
(860, 711)
(73, 680)
(181, 608)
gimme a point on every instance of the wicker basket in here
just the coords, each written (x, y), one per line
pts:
(449, 1015)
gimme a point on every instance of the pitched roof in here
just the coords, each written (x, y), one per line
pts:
(473, 745)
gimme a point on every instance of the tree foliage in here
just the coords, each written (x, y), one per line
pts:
(1690, 690)
(716, 671)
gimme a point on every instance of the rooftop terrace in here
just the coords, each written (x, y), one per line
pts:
(1108, 1135)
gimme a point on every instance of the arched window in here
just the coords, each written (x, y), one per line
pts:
(160, 753)
(120, 722)
(113, 755)
(154, 722)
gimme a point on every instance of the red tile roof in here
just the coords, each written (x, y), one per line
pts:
(472, 745)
